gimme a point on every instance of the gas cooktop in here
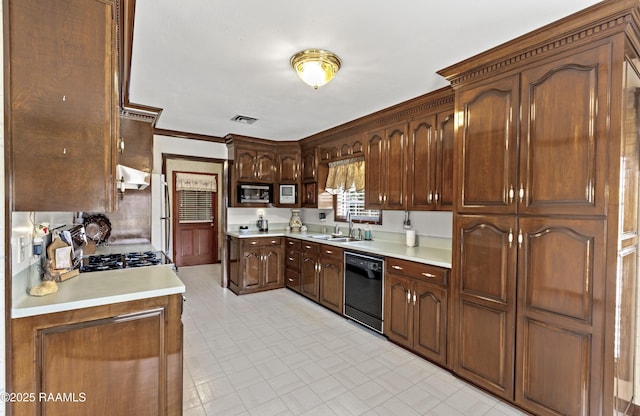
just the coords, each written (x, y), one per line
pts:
(96, 263)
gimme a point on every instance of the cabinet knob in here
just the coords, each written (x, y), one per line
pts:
(429, 275)
(290, 258)
(254, 243)
(397, 267)
(409, 297)
(329, 252)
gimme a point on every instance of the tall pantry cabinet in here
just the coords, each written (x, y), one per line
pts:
(542, 307)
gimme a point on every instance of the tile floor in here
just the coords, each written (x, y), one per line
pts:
(277, 353)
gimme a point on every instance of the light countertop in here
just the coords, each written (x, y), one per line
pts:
(95, 288)
(436, 256)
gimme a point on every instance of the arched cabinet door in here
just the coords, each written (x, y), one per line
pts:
(564, 142)
(561, 297)
(486, 148)
(483, 295)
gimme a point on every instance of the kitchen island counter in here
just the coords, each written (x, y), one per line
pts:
(95, 289)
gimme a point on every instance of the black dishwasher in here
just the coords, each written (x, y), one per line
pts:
(363, 287)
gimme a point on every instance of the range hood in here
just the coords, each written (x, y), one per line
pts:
(130, 178)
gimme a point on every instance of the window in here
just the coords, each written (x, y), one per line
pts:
(352, 201)
(195, 206)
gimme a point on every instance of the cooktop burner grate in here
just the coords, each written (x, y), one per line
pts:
(102, 262)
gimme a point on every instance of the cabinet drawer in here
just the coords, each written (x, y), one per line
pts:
(331, 251)
(293, 244)
(262, 241)
(292, 259)
(292, 279)
(421, 271)
(308, 247)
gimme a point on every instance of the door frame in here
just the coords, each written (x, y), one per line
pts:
(222, 188)
(176, 218)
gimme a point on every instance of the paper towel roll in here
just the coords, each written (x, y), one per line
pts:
(411, 238)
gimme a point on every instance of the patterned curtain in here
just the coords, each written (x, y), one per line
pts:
(345, 174)
(195, 182)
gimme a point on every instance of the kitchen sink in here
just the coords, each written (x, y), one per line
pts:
(335, 239)
(342, 239)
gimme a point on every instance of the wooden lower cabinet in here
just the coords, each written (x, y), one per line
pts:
(560, 316)
(483, 295)
(331, 278)
(292, 264)
(309, 271)
(415, 312)
(255, 264)
(120, 359)
(322, 275)
(541, 346)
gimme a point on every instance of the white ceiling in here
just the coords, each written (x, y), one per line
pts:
(205, 61)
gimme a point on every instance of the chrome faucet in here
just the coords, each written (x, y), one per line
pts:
(350, 221)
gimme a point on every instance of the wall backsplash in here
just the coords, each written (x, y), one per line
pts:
(426, 223)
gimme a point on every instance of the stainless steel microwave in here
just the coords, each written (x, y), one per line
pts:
(255, 193)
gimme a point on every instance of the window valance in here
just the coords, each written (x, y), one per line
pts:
(196, 182)
(344, 175)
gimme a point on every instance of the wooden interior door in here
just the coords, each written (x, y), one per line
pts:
(195, 242)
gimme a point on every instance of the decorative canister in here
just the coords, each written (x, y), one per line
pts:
(295, 222)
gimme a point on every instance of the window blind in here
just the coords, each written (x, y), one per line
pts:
(195, 206)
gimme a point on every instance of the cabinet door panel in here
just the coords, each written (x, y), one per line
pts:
(487, 147)
(486, 348)
(332, 285)
(398, 310)
(561, 266)
(309, 165)
(93, 358)
(564, 135)
(430, 321)
(62, 104)
(487, 258)
(273, 273)
(266, 166)
(309, 276)
(555, 375)
(252, 262)
(375, 171)
(245, 165)
(289, 167)
(395, 189)
(561, 298)
(422, 164)
(483, 296)
(445, 164)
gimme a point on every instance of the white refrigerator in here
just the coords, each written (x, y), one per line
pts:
(161, 215)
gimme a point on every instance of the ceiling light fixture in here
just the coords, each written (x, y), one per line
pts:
(315, 67)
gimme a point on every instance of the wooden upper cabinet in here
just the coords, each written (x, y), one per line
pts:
(289, 171)
(445, 161)
(63, 104)
(309, 165)
(422, 163)
(375, 171)
(255, 165)
(430, 158)
(395, 195)
(561, 168)
(487, 147)
(564, 145)
(266, 166)
(386, 168)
